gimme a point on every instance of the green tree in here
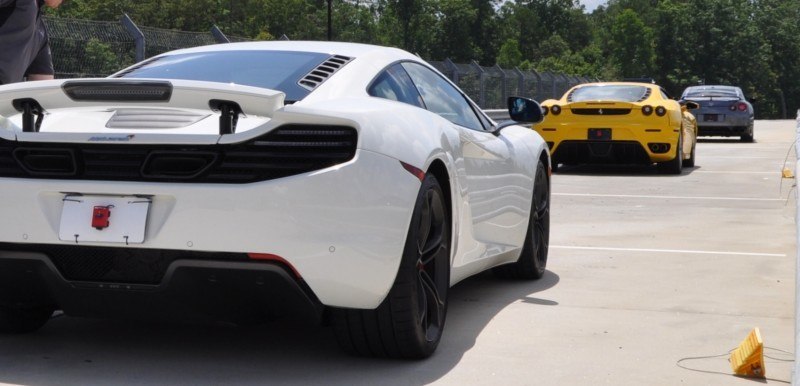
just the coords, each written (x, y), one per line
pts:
(632, 45)
(510, 56)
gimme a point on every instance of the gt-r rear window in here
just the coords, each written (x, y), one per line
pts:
(708, 92)
(276, 70)
(619, 93)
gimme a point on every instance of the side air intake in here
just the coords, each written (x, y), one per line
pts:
(324, 71)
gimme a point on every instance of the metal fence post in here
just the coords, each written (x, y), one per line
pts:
(452, 66)
(503, 83)
(481, 83)
(521, 82)
(136, 34)
(218, 35)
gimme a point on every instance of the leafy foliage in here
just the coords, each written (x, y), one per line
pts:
(754, 44)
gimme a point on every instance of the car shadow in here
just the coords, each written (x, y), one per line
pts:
(87, 351)
(615, 170)
(724, 140)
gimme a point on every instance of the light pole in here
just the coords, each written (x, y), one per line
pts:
(330, 27)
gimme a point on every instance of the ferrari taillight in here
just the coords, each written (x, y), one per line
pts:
(556, 109)
(647, 110)
(661, 111)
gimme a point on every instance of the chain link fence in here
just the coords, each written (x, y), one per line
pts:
(85, 48)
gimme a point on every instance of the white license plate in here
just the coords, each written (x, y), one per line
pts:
(111, 219)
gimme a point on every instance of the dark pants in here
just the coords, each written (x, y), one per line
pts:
(24, 47)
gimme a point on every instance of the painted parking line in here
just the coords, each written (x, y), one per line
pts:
(778, 172)
(739, 157)
(668, 197)
(683, 251)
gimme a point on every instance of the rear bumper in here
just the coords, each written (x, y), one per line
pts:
(189, 290)
(610, 152)
(722, 130)
(628, 145)
(727, 125)
(342, 228)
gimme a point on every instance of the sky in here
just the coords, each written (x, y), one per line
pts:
(592, 4)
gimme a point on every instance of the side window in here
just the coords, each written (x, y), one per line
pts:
(394, 84)
(664, 94)
(442, 98)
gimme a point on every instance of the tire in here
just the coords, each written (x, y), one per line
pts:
(689, 163)
(410, 321)
(748, 136)
(532, 261)
(674, 165)
(20, 320)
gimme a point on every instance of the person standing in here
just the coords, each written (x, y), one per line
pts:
(24, 43)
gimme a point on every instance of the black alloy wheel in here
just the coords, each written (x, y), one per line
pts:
(410, 321)
(532, 261)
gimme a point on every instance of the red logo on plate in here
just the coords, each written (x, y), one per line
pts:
(100, 216)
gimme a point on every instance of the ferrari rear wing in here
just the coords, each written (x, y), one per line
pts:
(33, 99)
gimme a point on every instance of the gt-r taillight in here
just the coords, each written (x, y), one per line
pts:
(556, 109)
(661, 111)
(739, 106)
(647, 110)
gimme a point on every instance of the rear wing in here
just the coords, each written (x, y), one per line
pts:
(33, 99)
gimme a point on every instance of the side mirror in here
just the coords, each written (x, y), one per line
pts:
(690, 105)
(521, 110)
(524, 110)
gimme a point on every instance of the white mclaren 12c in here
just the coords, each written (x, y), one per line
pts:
(238, 182)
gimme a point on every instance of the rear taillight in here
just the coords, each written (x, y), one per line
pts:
(556, 109)
(545, 110)
(647, 110)
(739, 106)
(661, 111)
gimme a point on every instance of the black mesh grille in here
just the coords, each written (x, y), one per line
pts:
(285, 151)
(612, 152)
(593, 111)
(117, 265)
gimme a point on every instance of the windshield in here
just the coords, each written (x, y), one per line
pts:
(618, 93)
(276, 70)
(709, 92)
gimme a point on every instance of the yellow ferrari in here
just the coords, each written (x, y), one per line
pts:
(619, 123)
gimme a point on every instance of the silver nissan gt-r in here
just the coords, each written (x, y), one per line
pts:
(724, 111)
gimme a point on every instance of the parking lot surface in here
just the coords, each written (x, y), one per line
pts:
(652, 280)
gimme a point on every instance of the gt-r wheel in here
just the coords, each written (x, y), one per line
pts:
(674, 165)
(18, 320)
(533, 259)
(747, 137)
(410, 321)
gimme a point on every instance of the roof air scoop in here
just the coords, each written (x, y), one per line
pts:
(324, 71)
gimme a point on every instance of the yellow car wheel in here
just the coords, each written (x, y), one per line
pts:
(674, 165)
